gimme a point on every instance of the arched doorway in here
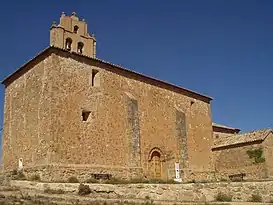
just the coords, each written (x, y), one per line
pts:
(155, 164)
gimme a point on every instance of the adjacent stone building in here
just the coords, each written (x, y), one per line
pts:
(69, 113)
(220, 131)
(245, 156)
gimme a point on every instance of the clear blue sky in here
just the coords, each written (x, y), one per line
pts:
(221, 48)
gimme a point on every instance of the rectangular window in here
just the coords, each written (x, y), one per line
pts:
(85, 115)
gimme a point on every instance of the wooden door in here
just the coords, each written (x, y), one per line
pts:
(156, 165)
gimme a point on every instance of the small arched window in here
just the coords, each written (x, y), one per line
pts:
(95, 78)
(68, 43)
(76, 28)
(80, 47)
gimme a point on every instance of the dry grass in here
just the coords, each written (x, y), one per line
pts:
(53, 191)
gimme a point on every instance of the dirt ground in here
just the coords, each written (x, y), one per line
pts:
(12, 195)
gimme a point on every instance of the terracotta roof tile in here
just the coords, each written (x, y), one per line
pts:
(223, 126)
(242, 138)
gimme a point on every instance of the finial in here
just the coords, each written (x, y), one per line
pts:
(93, 35)
(73, 13)
(63, 14)
(83, 20)
(54, 23)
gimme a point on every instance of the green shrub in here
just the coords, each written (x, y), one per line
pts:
(256, 198)
(53, 191)
(35, 177)
(19, 176)
(73, 180)
(191, 181)
(84, 190)
(147, 197)
(14, 172)
(223, 197)
(257, 154)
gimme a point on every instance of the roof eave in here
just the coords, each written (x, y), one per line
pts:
(270, 131)
(142, 75)
(5, 80)
(237, 144)
(261, 139)
(225, 127)
(208, 98)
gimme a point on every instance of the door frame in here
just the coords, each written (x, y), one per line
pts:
(162, 159)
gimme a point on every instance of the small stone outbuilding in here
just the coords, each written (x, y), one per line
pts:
(246, 155)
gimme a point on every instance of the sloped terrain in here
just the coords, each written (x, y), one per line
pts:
(24, 196)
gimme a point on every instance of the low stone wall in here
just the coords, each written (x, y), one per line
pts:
(240, 191)
(189, 175)
(59, 172)
(82, 172)
(253, 172)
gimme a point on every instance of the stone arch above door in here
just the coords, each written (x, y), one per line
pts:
(156, 149)
(155, 163)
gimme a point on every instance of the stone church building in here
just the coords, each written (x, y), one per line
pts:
(67, 112)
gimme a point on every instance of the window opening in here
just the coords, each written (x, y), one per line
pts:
(80, 47)
(68, 44)
(76, 28)
(94, 80)
(85, 115)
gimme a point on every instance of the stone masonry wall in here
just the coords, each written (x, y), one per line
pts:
(156, 111)
(181, 127)
(133, 131)
(268, 154)
(27, 117)
(235, 160)
(44, 123)
(56, 173)
(240, 191)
